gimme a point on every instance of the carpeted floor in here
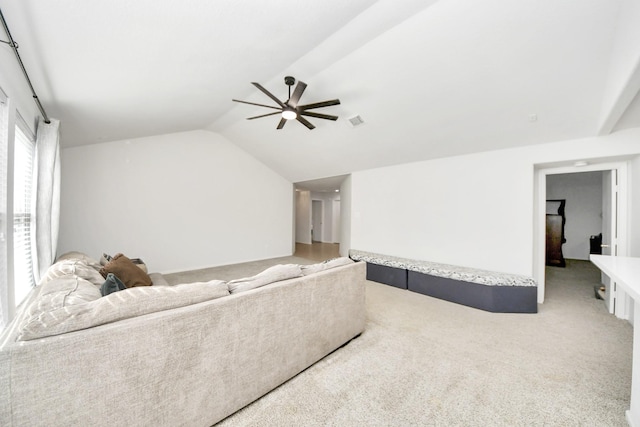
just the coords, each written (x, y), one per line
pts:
(426, 362)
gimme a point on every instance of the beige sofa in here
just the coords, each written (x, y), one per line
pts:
(184, 355)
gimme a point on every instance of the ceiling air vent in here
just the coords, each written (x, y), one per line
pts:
(355, 121)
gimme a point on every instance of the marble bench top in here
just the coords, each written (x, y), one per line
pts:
(483, 277)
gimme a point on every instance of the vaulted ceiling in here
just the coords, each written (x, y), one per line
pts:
(429, 78)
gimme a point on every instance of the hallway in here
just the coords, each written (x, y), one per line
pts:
(317, 251)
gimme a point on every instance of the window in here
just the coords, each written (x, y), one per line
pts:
(24, 150)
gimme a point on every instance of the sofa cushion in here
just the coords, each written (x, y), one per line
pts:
(272, 274)
(158, 279)
(325, 265)
(71, 289)
(60, 292)
(56, 313)
(74, 267)
(86, 259)
(126, 271)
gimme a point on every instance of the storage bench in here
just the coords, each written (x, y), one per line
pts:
(482, 289)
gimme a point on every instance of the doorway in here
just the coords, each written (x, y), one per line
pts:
(614, 203)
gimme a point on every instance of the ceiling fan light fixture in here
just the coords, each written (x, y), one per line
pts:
(289, 114)
(290, 109)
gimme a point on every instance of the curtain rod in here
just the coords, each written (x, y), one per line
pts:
(14, 45)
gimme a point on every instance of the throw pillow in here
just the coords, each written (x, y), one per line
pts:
(105, 258)
(137, 261)
(126, 271)
(111, 285)
(140, 264)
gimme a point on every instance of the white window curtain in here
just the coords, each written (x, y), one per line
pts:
(47, 196)
(4, 152)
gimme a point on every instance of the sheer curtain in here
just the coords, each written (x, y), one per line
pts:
(47, 199)
(4, 153)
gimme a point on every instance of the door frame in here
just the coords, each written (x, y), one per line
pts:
(619, 221)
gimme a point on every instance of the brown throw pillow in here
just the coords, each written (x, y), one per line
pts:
(130, 274)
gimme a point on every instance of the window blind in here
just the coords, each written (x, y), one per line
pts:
(24, 150)
(4, 149)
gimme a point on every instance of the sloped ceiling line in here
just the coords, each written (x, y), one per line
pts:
(623, 101)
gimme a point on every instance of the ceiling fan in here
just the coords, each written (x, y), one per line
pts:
(290, 109)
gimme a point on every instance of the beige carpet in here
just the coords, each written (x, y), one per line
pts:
(427, 362)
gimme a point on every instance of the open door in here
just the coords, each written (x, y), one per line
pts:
(614, 229)
(608, 213)
(616, 299)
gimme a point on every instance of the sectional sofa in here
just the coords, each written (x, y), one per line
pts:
(183, 355)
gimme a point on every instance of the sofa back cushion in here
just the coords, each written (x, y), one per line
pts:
(86, 259)
(72, 267)
(326, 265)
(272, 274)
(71, 303)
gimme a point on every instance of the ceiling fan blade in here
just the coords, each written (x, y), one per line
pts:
(259, 105)
(297, 93)
(263, 115)
(319, 104)
(305, 122)
(281, 124)
(318, 115)
(269, 94)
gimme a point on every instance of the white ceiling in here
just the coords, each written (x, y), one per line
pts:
(429, 78)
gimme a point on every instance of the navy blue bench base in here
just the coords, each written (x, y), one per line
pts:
(496, 299)
(388, 275)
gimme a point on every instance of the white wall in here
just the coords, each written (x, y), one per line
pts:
(178, 201)
(303, 217)
(463, 210)
(583, 193)
(634, 193)
(475, 210)
(345, 216)
(335, 224)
